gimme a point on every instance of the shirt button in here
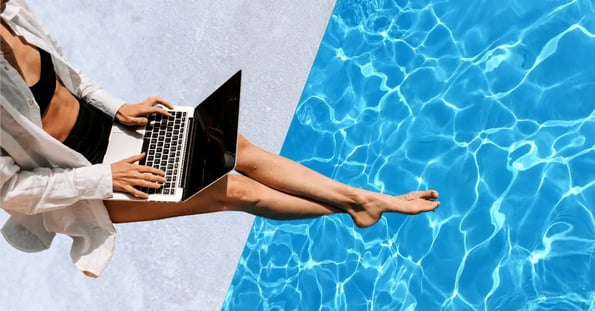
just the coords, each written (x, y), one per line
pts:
(6, 68)
(30, 102)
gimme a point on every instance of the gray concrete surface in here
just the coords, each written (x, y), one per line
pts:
(181, 51)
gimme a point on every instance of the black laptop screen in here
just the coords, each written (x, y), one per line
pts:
(211, 152)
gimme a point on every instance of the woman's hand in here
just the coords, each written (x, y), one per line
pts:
(134, 114)
(126, 175)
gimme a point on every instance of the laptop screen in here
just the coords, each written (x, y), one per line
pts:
(211, 151)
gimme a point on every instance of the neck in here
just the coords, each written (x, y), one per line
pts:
(7, 38)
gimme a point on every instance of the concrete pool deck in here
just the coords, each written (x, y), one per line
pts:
(180, 52)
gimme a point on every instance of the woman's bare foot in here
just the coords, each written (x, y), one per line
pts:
(371, 205)
(426, 194)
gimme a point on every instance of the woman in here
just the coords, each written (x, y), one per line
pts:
(54, 128)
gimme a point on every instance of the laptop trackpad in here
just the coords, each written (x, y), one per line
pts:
(124, 143)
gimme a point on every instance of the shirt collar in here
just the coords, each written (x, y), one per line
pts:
(10, 12)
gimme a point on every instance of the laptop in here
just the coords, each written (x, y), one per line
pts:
(195, 147)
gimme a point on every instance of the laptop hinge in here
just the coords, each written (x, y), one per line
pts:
(189, 155)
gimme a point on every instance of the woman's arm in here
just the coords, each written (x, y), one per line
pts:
(78, 83)
(44, 189)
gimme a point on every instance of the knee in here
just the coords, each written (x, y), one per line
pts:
(241, 190)
(243, 143)
(248, 155)
(245, 147)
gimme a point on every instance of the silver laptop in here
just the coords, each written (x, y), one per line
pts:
(195, 147)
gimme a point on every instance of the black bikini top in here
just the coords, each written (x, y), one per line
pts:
(44, 89)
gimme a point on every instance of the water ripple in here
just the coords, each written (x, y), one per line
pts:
(491, 103)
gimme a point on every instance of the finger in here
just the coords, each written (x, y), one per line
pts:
(154, 100)
(138, 121)
(163, 102)
(135, 158)
(135, 192)
(147, 184)
(154, 178)
(152, 170)
(160, 111)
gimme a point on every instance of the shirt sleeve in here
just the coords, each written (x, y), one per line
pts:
(94, 94)
(45, 189)
(90, 90)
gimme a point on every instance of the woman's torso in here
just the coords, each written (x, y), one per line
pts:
(61, 114)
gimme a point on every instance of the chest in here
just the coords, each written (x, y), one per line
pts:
(24, 57)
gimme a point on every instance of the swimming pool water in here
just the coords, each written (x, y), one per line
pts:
(489, 102)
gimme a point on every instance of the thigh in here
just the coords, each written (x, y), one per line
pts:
(209, 200)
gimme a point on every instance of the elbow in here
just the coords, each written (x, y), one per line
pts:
(19, 207)
(15, 201)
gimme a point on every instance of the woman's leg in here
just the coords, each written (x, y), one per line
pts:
(277, 188)
(231, 193)
(287, 176)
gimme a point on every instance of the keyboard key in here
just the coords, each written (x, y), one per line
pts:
(163, 141)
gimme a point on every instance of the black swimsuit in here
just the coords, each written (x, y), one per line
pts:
(44, 89)
(90, 134)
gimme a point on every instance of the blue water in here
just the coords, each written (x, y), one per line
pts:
(489, 102)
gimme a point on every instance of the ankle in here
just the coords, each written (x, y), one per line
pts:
(362, 208)
(359, 202)
(352, 199)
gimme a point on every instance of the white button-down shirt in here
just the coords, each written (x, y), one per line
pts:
(46, 187)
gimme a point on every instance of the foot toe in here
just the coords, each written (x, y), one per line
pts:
(424, 194)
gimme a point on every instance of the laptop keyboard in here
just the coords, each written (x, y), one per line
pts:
(163, 143)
